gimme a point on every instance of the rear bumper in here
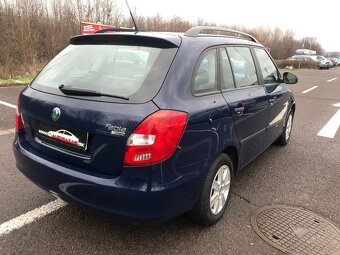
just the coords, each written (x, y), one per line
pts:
(138, 201)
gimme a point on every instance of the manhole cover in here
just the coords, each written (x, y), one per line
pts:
(296, 231)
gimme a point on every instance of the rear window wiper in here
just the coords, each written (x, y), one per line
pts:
(68, 90)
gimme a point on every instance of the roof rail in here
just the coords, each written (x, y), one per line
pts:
(197, 31)
(112, 29)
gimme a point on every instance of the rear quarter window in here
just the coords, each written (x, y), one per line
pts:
(205, 76)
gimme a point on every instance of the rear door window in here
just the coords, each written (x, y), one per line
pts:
(243, 66)
(268, 69)
(205, 76)
(134, 72)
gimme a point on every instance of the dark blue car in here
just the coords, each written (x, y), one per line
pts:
(147, 126)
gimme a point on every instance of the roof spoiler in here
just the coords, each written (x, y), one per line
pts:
(132, 39)
(112, 29)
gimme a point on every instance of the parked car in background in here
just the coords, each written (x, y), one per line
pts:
(334, 60)
(324, 63)
(305, 52)
(338, 61)
(301, 61)
(299, 58)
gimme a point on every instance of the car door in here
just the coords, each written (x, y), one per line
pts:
(277, 96)
(247, 99)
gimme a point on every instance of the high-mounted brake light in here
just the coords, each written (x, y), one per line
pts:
(156, 138)
(19, 125)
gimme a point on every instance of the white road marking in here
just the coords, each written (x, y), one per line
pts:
(6, 132)
(332, 126)
(8, 104)
(306, 91)
(332, 79)
(28, 218)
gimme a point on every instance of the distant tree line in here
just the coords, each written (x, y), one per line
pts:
(34, 31)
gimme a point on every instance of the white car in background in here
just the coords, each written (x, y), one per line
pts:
(299, 58)
(324, 63)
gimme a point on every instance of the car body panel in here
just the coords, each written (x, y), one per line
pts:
(129, 197)
(280, 103)
(251, 123)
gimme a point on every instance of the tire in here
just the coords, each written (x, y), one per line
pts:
(220, 174)
(287, 130)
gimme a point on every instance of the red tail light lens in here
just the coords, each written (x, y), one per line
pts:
(156, 138)
(19, 126)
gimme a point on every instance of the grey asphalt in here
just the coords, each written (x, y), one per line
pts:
(305, 173)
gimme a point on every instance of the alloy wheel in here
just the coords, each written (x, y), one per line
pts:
(289, 126)
(220, 189)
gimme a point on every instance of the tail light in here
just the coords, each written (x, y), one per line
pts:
(19, 125)
(156, 138)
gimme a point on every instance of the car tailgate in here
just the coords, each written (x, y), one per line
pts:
(89, 135)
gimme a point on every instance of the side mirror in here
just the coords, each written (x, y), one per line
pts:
(290, 78)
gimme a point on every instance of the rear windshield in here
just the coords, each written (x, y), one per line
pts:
(133, 72)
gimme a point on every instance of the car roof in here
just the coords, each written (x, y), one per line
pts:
(165, 39)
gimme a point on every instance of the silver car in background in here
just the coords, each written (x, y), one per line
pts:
(324, 63)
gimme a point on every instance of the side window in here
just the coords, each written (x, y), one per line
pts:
(268, 69)
(319, 58)
(205, 76)
(227, 80)
(243, 66)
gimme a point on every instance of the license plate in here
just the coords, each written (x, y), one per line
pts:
(62, 137)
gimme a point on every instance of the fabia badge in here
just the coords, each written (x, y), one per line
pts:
(55, 113)
(116, 130)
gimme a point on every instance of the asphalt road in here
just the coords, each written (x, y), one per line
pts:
(305, 173)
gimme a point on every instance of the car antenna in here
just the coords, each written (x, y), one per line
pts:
(133, 19)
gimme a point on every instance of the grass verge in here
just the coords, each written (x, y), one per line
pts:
(15, 81)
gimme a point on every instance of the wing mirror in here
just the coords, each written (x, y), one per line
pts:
(290, 78)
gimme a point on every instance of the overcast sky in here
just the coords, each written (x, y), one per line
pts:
(320, 19)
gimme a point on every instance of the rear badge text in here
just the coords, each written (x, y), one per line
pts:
(116, 130)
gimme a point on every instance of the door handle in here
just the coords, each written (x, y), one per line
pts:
(239, 110)
(272, 100)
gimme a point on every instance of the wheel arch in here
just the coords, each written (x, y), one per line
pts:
(232, 152)
(293, 108)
